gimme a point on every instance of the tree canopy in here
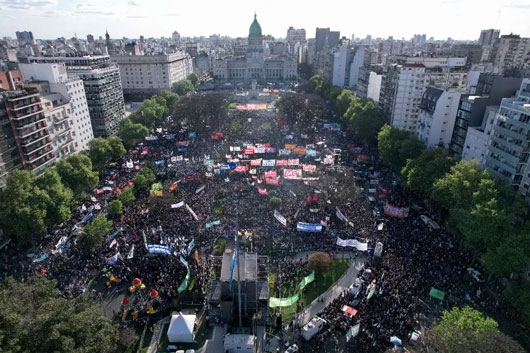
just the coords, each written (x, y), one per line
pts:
(396, 146)
(421, 172)
(34, 318)
(468, 330)
(144, 177)
(203, 113)
(364, 118)
(182, 87)
(132, 133)
(76, 173)
(127, 195)
(101, 151)
(94, 233)
(193, 79)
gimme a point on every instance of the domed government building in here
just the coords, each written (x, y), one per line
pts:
(255, 64)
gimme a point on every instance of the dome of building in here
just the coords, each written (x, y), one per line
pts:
(255, 28)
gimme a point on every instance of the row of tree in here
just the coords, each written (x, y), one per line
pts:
(484, 211)
(362, 117)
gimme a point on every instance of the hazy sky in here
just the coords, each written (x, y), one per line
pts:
(459, 19)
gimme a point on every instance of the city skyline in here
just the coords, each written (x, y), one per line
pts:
(50, 19)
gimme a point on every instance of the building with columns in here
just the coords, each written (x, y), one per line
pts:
(255, 65)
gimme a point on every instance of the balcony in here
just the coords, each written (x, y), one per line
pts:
(27, 114)
(25, 106)
(37, 148)
(33, 130)
(41, 153)
(30, 141)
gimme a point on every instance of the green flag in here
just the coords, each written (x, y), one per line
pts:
(307, 279)
(184, 283)
(438, 294)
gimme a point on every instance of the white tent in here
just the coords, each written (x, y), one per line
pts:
(181, 328)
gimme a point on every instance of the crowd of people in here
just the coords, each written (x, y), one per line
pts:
(194, 194)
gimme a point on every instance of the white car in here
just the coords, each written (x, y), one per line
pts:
(355, 288)
(292, 349)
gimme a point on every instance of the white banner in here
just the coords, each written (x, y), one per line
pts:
(280, 218)
(268, 163)
(353, 243)
(130, 255)
(293, 161)
(200, 189)
(192, 213)
(309, 167)
(292, 173)
(341, 216)
(177, 205)
(283, 152)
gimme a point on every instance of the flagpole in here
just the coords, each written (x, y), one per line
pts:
(238, 272)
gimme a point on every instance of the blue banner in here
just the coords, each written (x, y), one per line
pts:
(308, 227)
(311, 153)
(191, 245)
(160, 162)
(113, 235)
(158, 249)
(42, 258)
(182, 149)
(170, 137)
(184, 262)
(192, 134)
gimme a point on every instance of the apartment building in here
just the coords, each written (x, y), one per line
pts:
(103, 90)
(513, 52)
(437, 114)
(70, 87)
(23, 121)
(508, 149)
(145, 75)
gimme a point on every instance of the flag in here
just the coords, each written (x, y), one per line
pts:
(184, 262)
(130, 255)
(112, 260)
(262, 191)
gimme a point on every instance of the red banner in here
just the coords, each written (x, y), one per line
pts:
(249, 151)
(292, 173)
(293, 162)
(271, 174)
(281, 162)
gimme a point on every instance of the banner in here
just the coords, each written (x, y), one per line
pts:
(349, 310)
(284, 152)
(292, 174)
(271, 174)
(310, 153)
(184, 262)
(280, 218)
(353, 243)
(249, 151)
(200, 189)
(393, 211)
(352, 332)
(293, 162)
(281, 162)
(191, 245)
(192, 134)
(211, 224)
(268, 163)
(300, 151)
(183, 143)
(308, 227)
(192, 213)
(271, 150)
(309, 167)
(235, 149)
(290, 146)
(41, 258)
(240, 169)
(184, 283)
(113, 235)
(255, 162)
(306, 280)
(329, 159)
(262, 191)
(158, 249)
(341, 216)
(177, 205)
(438, 294)
(283, 302)
(112, 260)
(156, 189)
(272, 181)
(130, 255)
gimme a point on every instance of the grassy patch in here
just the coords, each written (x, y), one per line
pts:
(317, 287)
(219, 247)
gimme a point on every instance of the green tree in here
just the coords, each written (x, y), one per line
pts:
(171, 100)
(150, 113)
(115, 207)
(144, 177)
(94, 233)
(76, 173)
(35, 318)
(182, 87)
(127, 195)
(203, 113)
(396, 146)
(315, 83)
(420, 173)
(275, 202)
(98, 151)
(116, 149)
(60, 198)
(365, 119)
(467, 330)
(132, 133)
(344, 100)
(23, 207)
(193, 79)
(511, 255)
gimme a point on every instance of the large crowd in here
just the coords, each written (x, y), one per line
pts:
(415, 257)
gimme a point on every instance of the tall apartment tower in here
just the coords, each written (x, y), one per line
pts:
(489, 37)
(513, 53)
(508, 150)
(103, 89)
(72, 89)
(27, 142)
